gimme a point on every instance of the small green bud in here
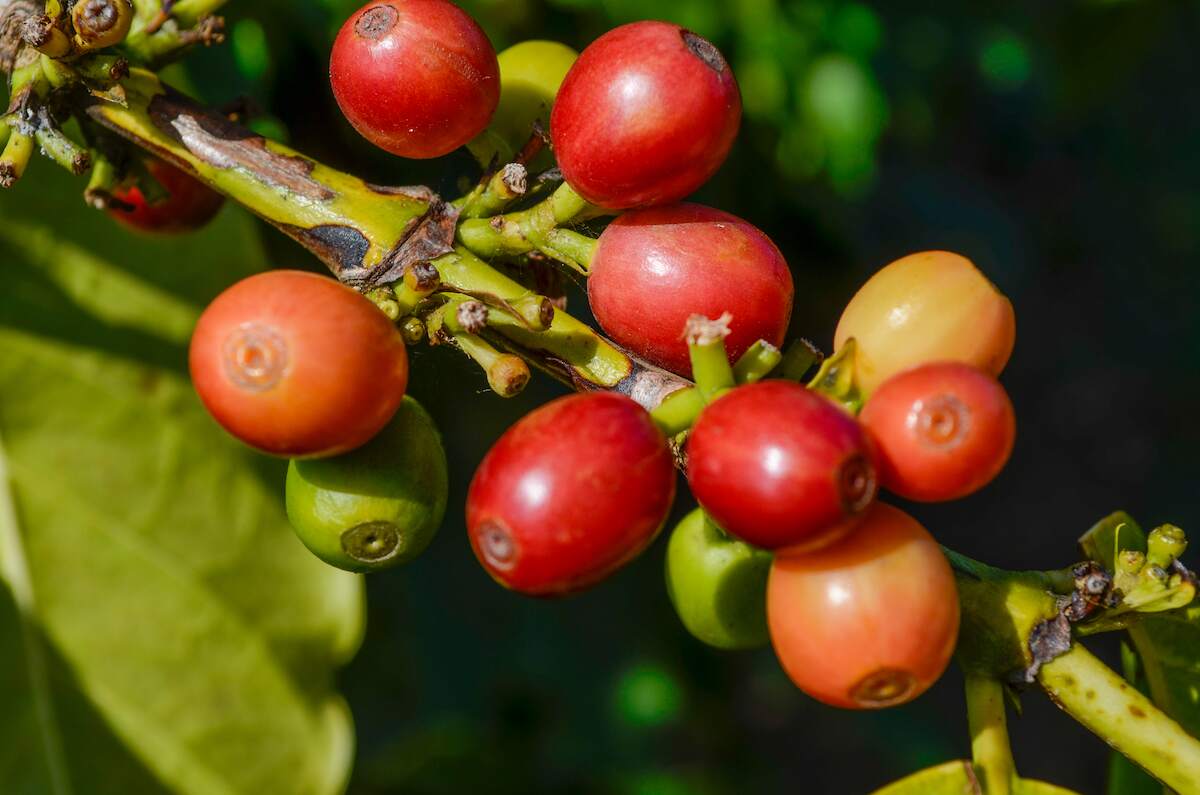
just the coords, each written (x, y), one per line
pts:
(1130, 561)
(1166, 544)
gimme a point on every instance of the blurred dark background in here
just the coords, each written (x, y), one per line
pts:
(1053, 143)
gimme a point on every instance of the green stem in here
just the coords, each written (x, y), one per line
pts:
(1116, 712)
(504, 187)
(679, 411)
(988, 725)
(800, 358)
(158, 38)
(756, 363)
(359, 230)
(188, 12)
(535, 229)
(710, 362)
(61, 149)
(15, 158)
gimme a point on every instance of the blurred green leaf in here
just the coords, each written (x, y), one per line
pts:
(161, 629)
(958, 778)
(1004, 60)
(951, 778)
(648, 696)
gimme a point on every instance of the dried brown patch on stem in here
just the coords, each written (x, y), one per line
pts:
(222, 144)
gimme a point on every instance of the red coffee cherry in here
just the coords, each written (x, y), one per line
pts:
(190, 204)
(298, 365)
(870, 621)
(942, 431)
(655, 268)
(570, 494)
(780, 466)
(646, 115)
(417, 78)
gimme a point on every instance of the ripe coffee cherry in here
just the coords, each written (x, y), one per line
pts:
(569, 494)
(530, 74)
(417, 78)
(942, 431)
(655, 268)
(298, 365)
(377, 506)
(870, 621)
(928, 307)
(190, 204)
(718, 584)
(647, 114)
(780, 466)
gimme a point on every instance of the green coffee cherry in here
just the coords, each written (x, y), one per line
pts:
(377, 506)
(530, 74)
(718, 584)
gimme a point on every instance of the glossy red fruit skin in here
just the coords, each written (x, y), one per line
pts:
(645, 116)
(780, 466)
(190, 204)
(870, 621)
(298, 365)
(655, 268)
(570, 494)
(942, 430)
(417, 78)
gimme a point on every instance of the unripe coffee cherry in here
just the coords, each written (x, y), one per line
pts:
(870, 621)
(417, 78)
(190, 204)
(718, 584)
(780, 466)
(655, 268)
(530, 75)
(928, 307)
(647, 114)
(375, 507)
(570, 493)
(297, 365)
(942, 431)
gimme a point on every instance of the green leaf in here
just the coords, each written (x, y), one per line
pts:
(951, 778)
(161, 629)
(958, 778)
(1028, 787)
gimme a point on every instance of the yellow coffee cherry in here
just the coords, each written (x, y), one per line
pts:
(927, 307)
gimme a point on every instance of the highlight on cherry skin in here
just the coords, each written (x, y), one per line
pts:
(869, 622)
(298, 365)
(417, 78)
(646, 116)
(573, 491)
(942, 431)
(655, 268)
(927, 307)
(188, 205)
(717, 584)
(780, 466)
(377, 506)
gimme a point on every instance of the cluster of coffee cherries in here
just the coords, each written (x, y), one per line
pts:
(789, 544)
